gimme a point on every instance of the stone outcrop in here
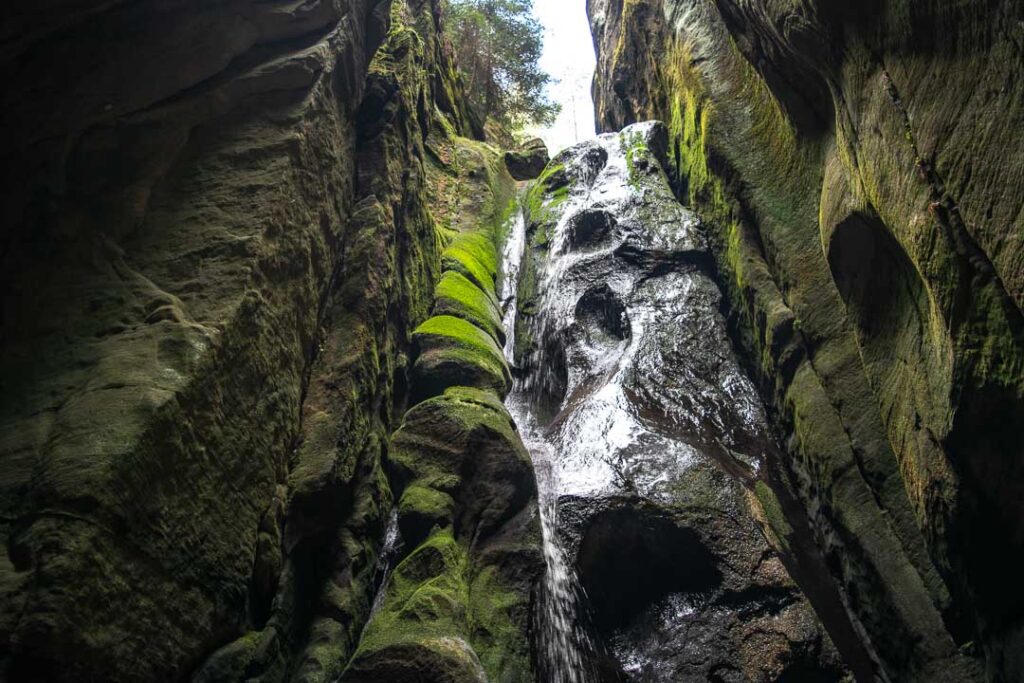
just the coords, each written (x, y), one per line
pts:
(457, 607)
(858, 167)
(657, 434)
(222, 225)
(527, 162)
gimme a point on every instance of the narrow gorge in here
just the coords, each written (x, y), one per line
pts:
(315, 371)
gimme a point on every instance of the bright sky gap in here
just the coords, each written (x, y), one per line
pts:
(569, 58)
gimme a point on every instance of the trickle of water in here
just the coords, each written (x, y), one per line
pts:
(564, 643)
(512, 259)
(387, 552)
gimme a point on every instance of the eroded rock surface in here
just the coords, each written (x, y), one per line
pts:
(528, 161)
(222, 224)
(458, 606)
(654, 432)
(854, 164)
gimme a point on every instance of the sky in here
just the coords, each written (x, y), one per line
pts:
(569, 58)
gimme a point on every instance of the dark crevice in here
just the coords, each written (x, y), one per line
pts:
(630, 558)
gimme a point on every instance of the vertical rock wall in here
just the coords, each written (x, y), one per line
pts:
(217, 240)
(860, 166)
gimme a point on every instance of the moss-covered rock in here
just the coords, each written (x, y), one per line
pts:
(456, 296)
(528, 161)
(457, 607)
(453, 352)
(450, 613)
(463, 444)
(473, 255)
(422, 508)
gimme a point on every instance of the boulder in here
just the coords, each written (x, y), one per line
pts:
(527, 162)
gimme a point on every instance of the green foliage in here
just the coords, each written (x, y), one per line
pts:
(632, 145)
(498, 46)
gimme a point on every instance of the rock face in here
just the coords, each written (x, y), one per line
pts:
(857, 167)
(458, 606)
(253, 360)
(527, 162)
(656, 434)
(223, 223)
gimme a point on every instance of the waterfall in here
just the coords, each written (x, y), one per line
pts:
(385, 563)
(563, 641)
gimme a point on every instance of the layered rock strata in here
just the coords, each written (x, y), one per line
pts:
(222, 225)
(858, 168)
(457, 607)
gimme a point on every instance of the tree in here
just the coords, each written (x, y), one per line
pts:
(498, 45)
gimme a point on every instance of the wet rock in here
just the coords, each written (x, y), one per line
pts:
(688, 594)
(654, 431)
(590, 229)
(600, 313)
(527, 162)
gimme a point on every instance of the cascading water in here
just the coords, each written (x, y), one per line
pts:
(633, 407)
(385, 562)
(392, 539)
(564, 642)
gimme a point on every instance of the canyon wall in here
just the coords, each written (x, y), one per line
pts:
(859, 166)
(222, 224)
(252, 376)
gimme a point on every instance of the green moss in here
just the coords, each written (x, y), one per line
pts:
(552, 175)
(773, 513)
(425, 598)
(438, 431)
(544, 200)
(494, 621)
(462, 258)
(456, 286)
(470, 188)
(632, 145)
(449, 330)
(501, 234)
(454, 352)
(482, 398)
(544, 204)
(423, 508)
(457, 296)
(430, 608)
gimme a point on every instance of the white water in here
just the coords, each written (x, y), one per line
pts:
(563, 641)
(387, 551)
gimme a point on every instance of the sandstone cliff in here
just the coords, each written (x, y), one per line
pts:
(253, 380)
(859, 165)
(223, 223)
